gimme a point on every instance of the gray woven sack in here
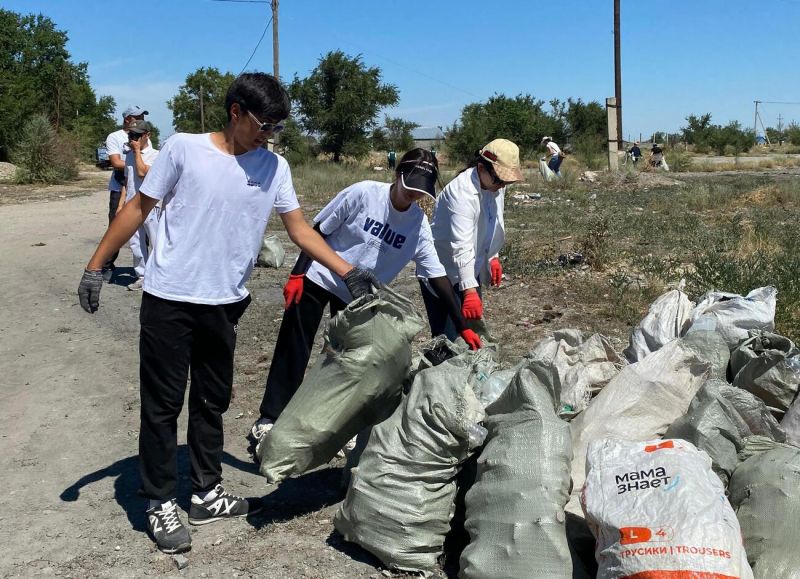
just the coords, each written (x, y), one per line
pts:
(765, 493)
(401, 494)
(356, 383)
(515, 509)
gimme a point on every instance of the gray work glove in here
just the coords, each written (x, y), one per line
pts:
(360, 281)
(89, 290)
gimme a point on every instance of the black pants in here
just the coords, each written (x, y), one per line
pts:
(438, 318)
(293, 349)
(176, 337)
(113, 203)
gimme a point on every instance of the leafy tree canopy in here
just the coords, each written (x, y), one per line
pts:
(185, 105)
(37, 76)
(339, 101)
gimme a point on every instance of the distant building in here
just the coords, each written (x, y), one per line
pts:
(428, 137)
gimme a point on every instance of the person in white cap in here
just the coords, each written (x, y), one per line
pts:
(375, 225)
(138, 160)
(554, 155)
(117, 148)
(468, 231)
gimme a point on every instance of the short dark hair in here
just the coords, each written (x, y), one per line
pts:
(259, 93)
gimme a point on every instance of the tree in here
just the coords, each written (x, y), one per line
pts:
(38, 76)
(521, 119)
(793, 133)
(730, 138)
(339, 101)
(185, 105)
(698, 130)
(394, 135)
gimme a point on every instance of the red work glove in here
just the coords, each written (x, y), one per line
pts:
(496, 271)
(472, 339)
(471, 306)
(293, 290)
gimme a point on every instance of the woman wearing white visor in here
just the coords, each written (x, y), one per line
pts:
(376, 226)
(468, 231)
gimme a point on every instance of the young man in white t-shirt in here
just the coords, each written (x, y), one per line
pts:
(378, 226)
(217, 192)
(137, 163)
(117, 148)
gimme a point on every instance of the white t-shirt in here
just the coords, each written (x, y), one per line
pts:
(365, 229)
(116, 144)
(215, 208)
(132, 180)
(468, 228)
(552, 148)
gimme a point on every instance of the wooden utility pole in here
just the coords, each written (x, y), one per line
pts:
(275, 50)
(617, 74)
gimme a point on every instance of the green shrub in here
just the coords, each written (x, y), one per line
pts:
(678, 161)
(43, 156)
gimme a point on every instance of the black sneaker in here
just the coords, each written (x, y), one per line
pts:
(108, 273)
(223, 506)
(167, 529)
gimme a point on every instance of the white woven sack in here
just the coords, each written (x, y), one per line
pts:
(658, 510)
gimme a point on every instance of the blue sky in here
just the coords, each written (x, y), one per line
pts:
(679, 57)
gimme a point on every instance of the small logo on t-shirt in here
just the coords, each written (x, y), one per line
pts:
(253, 183)
(383, 232)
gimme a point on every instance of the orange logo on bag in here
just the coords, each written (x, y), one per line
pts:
(630, 535)
(659, 446)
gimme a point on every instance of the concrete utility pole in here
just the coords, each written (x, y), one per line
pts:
(275, 51)
(755, 123)
(618, 74)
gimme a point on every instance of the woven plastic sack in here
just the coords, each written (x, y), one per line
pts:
(545, 171)
(639, 404)
(581, 366)
(713, 425)
(666, 320)
(401, 494)
(515, 509)
(768, 365)
(710, 346)
(735, 315)
(658, 510)
(791, 423)
(765, 492)
(357, 382)
(272, 253)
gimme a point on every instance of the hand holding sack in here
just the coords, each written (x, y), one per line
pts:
(89, 290)
(496, 271)
(293, 290)
(472, 339)
(360, 281)
(471, 306)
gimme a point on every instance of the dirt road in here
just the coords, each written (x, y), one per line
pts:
(68, 434)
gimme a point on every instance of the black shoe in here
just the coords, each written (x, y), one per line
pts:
(223, 506)
(108, 273)
(167, 529)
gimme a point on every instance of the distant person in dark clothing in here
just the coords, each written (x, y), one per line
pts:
(635, 152)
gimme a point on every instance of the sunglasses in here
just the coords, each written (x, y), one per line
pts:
(495, 179)
(266, 127)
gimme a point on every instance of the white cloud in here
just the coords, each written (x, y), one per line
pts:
(152, 96)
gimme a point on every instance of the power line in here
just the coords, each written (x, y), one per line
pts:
(263, 34)
(779, 102)
(244, 1)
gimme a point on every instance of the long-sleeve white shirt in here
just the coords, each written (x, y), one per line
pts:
(468, 228)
